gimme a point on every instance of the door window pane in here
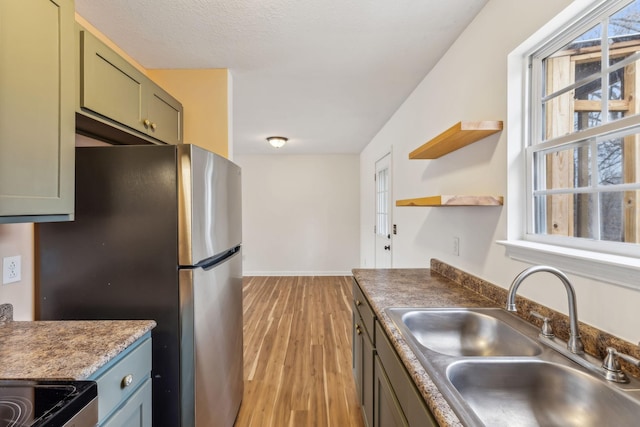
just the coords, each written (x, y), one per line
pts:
(382, 202)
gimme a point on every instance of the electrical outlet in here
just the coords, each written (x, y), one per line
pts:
(11, 269)
(456, 246)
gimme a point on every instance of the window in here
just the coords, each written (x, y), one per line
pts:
(573, 154)
(583, 145)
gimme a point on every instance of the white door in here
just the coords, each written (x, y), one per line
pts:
(383, 212)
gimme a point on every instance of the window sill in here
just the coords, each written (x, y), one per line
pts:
(616, 269)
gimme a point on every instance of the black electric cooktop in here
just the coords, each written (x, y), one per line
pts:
(25, 403)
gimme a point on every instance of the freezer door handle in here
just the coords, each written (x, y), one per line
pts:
(211, 262)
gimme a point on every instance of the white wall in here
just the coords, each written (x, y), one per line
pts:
(300, 214)
(17, 239)
(470, 83)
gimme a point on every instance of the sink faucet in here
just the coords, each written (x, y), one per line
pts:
(575, 343)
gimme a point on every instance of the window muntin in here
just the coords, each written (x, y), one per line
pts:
(584, 148)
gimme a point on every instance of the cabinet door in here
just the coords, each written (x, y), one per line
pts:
(367, 380)
(164, 115)
(109, 85)
(387, 412)
(356, 353)
(363, 368)
(411, 402)
(136, 412)
(37, 123)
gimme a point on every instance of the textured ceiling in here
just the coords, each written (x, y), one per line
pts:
(327, 74)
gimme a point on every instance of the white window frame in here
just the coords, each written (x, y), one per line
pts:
(521, 244)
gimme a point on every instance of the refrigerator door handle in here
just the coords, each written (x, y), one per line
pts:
(209, 263)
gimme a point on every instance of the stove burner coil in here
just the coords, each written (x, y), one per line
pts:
(15, 411)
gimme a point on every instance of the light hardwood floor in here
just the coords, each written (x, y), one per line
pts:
(297, 353)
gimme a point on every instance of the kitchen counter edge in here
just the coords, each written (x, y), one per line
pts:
(66, 349)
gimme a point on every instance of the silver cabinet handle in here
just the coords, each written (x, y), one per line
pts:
(127, 381)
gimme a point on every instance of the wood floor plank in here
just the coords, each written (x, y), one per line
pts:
(297, 353)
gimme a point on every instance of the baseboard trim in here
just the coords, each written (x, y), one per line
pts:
(296, 273)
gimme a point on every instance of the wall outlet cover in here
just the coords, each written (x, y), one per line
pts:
(11, 269)
(456, 246)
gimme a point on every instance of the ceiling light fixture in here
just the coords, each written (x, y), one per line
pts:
(277, 141)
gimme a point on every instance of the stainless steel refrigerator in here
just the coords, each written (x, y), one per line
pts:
(157, 235)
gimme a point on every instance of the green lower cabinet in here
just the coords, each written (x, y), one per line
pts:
(356, 354)
(387, 394)
(367, 381)
(388, 412)
(137, 411)
(363, 354)
(413, 406)
(124, 387)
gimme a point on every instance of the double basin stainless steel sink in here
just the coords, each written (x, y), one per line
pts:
(494, 370)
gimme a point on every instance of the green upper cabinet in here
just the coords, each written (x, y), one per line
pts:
(164, 115)
(115, 98)
(37, 103)
(109, 85)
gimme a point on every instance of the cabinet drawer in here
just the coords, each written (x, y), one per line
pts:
(363, 307)
(123, 378)
(413, 406)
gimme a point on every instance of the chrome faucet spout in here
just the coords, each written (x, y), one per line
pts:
(575, 342)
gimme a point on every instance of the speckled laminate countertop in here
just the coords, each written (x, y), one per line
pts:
(416, 288)
(64, 349)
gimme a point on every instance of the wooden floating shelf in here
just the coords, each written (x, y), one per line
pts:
(453, 201)
(459, 135)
